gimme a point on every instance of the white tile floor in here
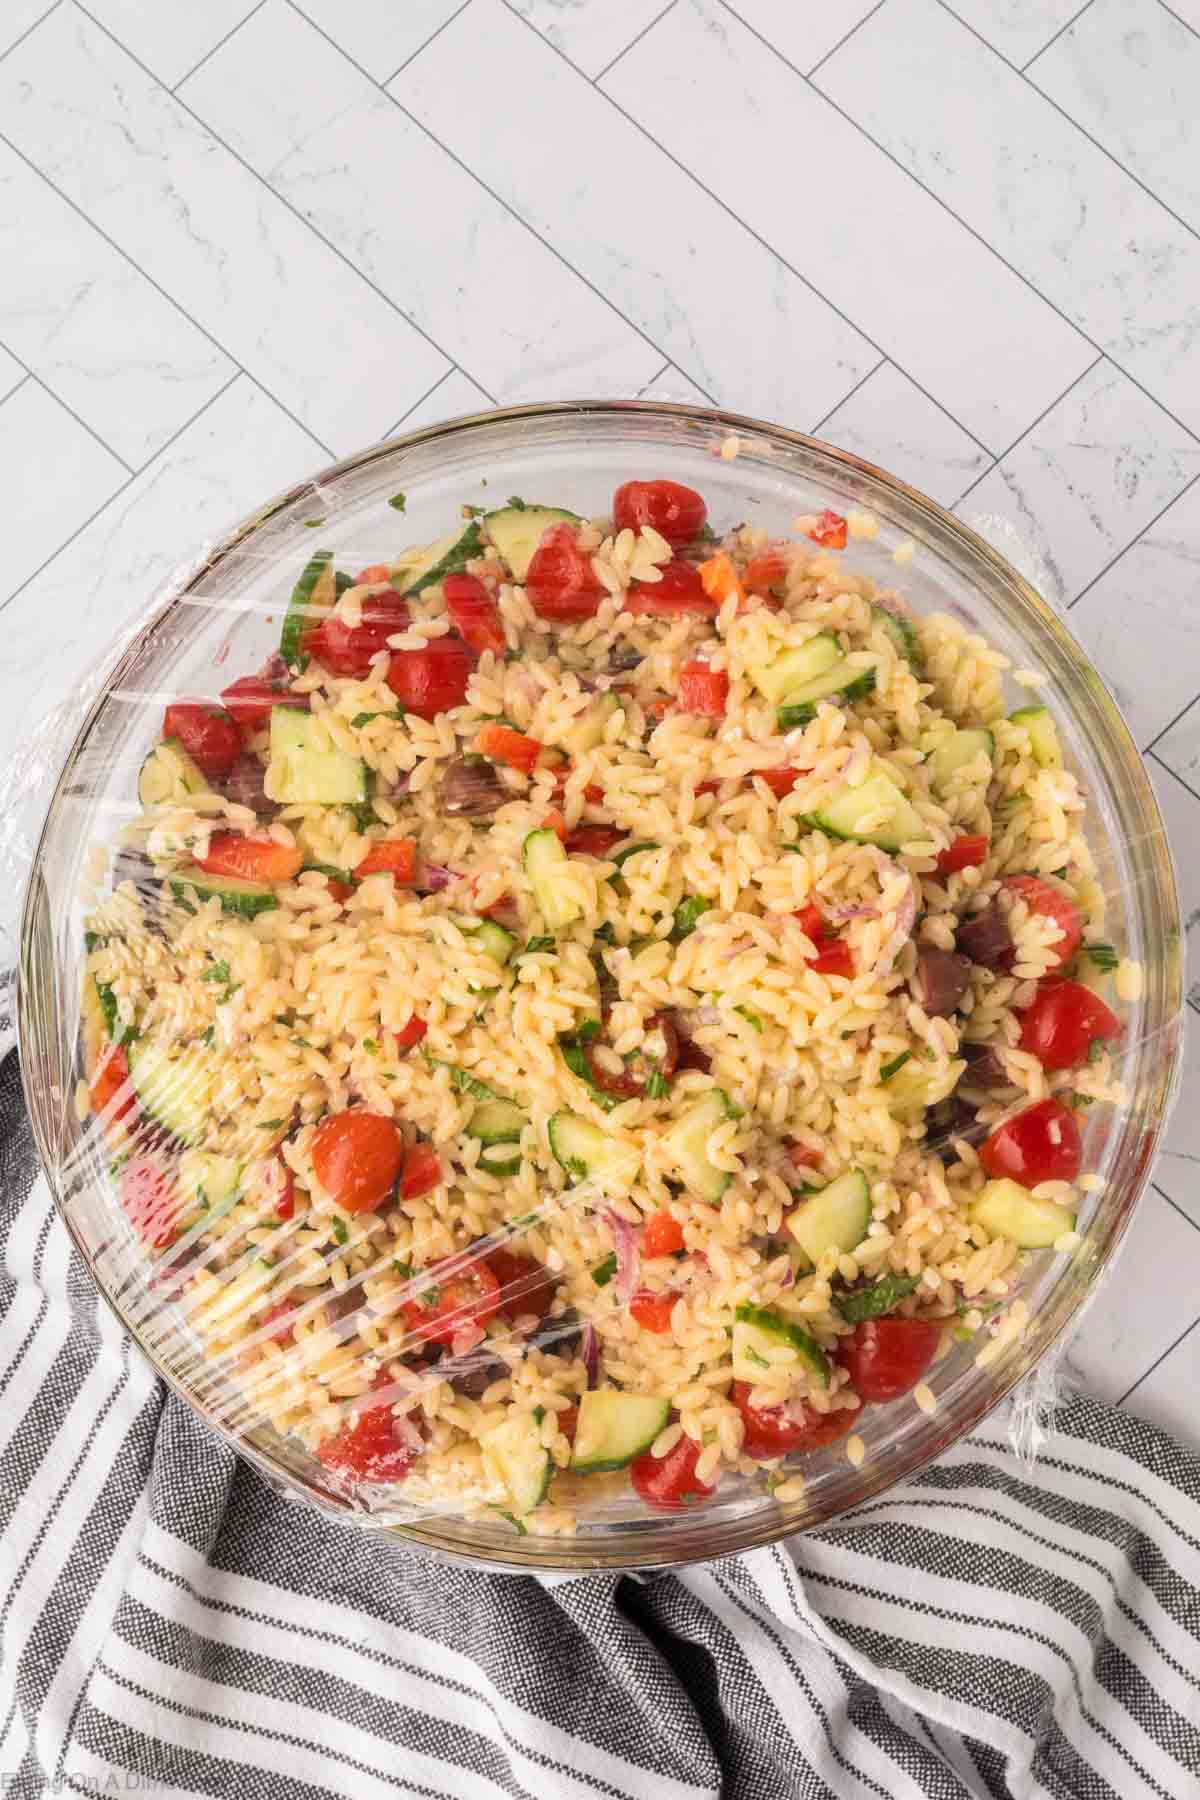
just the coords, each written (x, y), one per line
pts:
(960, 238)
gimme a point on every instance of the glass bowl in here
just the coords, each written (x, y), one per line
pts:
(228, 605)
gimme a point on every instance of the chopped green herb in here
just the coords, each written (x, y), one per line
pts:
(622, 856)
(604, 934)
(405, 1268)
(465, 1084)
(269, 1124)
(511, 1517)
(1096, 1050)
(340, 1231)
(364, 815)
(657, 1087)
(1103, 955)
(218, 972)
(302, 1043)
(117, 1031)
(209, 1037)
(751, 1018)
(897, 1063)
(364, 718)
(398, 502)
(313, 524)
(575, 1056)
(687, 915)
(287, 1017)
(537, 946)
(473, 512)
(706, 534)
(604, 1271)
(539, 1413)
(754, 1357)
(371, 1046)
(516, 502)
(92, 940)
(1078, 1100)
(883, 1296)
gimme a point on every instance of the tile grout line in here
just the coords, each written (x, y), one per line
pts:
(239, 374)
(159, 289)
(1174, 773)
(1175, 1206)
(881, 364)
(656, 20)
(420, 401)
(30, 28)
(33, 376)
(413, 54)
(497, 197)
(1146, 1374)
(748, 229)
(656, 377)
(1178, 18)
(1032, 426)
(1170, 726)
(822, 60)
(1140, 538)
(233, 30)
(1024, 68)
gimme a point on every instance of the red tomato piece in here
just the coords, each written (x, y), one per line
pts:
(111, 1090)
(780, 781)
(150, 1201)
(812, 923)
(1040, 1143)
(966, 852)
(720, 579)
(668, 1483)
(772, 1431)
(802, 1157)
(281, 1318)
(422, 1172)
(560, 581)
(455, 1294)
(886, 1357)
(208, 734)
(251, 859)
(390, 856)
(350, 649)
(410, 1034)
(594, 840)
(500, 744)
(1063, 1023)
(525, 1286)
(767, 574)
(680, 591)
(662, 1235)
(567, 1422)
(431, 681)
(474, 614)
(371, 1446)
(285, 1185)
(250, 699)
(376, 572)
(357, 1157)
(833, 956)
(703, 691)
(555, 822)
(339, 890)
(829, 529)
(652, 1311)
(1043, 897)
(676, 512)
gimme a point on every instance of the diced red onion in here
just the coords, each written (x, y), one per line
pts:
(629, 1258)
(906, 912)
(589, 1345)
(841, 915)
(434, 877)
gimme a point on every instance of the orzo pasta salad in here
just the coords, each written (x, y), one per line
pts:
(606, 1002)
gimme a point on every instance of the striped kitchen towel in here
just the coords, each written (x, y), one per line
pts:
(170, 1626)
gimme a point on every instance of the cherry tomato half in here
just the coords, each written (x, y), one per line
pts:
(430, 681)
(474, 614)
(886, 1357)
(829, 529)
(766, 574)
(390, 856)
(251, 859)
(594, 840)
(357, 1157)
(349, 649)
(676, 512)
(966, 852)
(208, 734)
(776, 1430)
(371, 1446)
(1063, 1023)
(780, 781)
(652, 1311)
(1043, 897)
(525, 1285)
(150, 1201)
(454, 1295)
(668, 1483)
(410, 1034)
(499, 743)
(422, 1172)
(111, 1090)
(680, 590)
(662, 1235)
(834, 956)
(1041, 1143)
(703, 691)
(560, 581)
(251, 699)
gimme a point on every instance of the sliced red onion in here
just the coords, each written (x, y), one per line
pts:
(906, 912)
(841, 915)
(629, 1258)
(705, 1015)
(789, 1279)
(589, 1345)
(434, 877)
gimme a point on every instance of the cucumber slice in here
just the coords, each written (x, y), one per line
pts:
(842, 814)
(614, 1427)
(915, 1085)
(957, 750)
(421, 568)
(844, 683)
(169, 773)
(174, 1087)
(764, 1340)
(1006, 1209)
(494, 940)
(793, 669)
(515, 1455)
(589, 728)
(900, 632)
(686, 1143)
(835, 1217)
(544, 860)
(209, 1181)
(500, 1159)
(516, 532)
(302, 771)
(1043, 735)
(244, 899)
(497, 1122)
(586, 1151)
(312, 597)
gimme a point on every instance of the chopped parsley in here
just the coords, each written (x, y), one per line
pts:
(371, 1046)
(398, 502)
(516, 502)
(405, 1268)
(269, 1124)
(340, 1231)
(218, 972)
(1103, 955)
(364, 815)
(874, 1302)
(897, 1063)
(537, 946)
(604, 1271)
(1096, 1050)
(657, 1087)
(687, 916)
(209, 1036)
(313, 524)
(364, 718)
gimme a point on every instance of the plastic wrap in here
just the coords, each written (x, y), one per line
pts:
(419, 1355)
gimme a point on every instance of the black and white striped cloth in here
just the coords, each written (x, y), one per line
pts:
(170, 1626)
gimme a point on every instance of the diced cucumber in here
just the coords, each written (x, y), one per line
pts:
(589, 728)
(500, 1159)
(764, 1340)
(901, 633)
(835, 1217)
(686, 1144)
(302, 771)
(587, 1152)
(796, 668)
(842, 815)
(1006, 1209)
(169, 773)
(846, 682)
(545, 860)
(312, 597)
(421, 568)
(955, 750)
(515, 1455)
(497, 1122)
(917, 1084)
(1043, 735)
(516, 532)
(493, 940)
(244, 899)
(207, 1180)
(174, 1086)
(614, 1427)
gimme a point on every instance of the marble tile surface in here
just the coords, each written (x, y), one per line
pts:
(360, 217)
